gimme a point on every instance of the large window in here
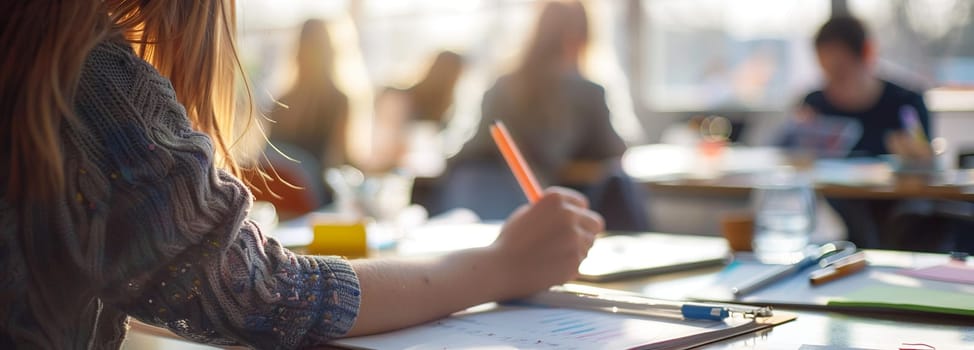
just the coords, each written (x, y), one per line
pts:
(929, 43)
(400, 38)
(268, 34)
(651, 55)
(390, 43)
(728, 55)
(757, 54)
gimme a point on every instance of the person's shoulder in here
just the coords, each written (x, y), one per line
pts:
(502, 88)
(110, 52)
(898, 92)
(577, 81)
(341, 97)
(814, 97)
(114, 80)
(504, 82)
(582, 90)
(112, 65)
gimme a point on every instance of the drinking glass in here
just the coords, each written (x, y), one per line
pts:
(784, 210)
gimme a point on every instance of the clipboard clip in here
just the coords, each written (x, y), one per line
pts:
(598, 299)
(756, 312)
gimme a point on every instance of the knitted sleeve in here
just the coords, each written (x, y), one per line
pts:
(176, 249)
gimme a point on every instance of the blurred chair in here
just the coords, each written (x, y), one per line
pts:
(938, 226)
(965, 159)
(621, 202)
(490, 190)
(291, 187)
(481, 186)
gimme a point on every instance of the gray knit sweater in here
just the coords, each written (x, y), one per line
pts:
(149, 228)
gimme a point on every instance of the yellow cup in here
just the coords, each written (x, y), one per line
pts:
(342, 237)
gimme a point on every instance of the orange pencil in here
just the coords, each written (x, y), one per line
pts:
(840, 268)
(514, 160)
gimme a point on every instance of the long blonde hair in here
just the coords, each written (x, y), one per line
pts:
(560, 24)
(313, 114)
(189, 42)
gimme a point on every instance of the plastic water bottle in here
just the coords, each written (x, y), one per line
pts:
(784, 208)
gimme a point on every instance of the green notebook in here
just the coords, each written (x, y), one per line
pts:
(908, 298)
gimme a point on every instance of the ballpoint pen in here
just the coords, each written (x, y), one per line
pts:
(579, 297)
(773, 275)
(505, 143)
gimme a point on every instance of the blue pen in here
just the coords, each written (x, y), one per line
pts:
(588, 298)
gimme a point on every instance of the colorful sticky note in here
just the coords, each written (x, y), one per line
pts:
(345, 239)
(951, 272)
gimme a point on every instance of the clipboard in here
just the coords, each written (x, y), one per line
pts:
(559, 328)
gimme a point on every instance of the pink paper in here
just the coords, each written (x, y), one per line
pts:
(953, 272)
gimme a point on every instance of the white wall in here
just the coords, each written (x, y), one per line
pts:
(958, 128)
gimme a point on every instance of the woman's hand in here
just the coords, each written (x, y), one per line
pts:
(542, 245)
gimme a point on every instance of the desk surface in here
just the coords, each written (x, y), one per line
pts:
(737, 170)
(857, 330)
(874, 331)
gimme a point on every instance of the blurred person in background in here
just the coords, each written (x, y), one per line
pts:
(560, 121)
(432, 97)
(408, 121)
(847, 56)
(311, 120)
(890, 116)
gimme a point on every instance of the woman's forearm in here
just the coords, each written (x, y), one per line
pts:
(397, 293)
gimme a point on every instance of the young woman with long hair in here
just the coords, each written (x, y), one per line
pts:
(119, 199)
(313, 114)
(560, 119)
(559, 116)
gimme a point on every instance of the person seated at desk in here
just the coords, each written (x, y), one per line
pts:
(310, 121)
(561, 123)
(118, 199)
(420, 111)
(847, 56)
(432, 97)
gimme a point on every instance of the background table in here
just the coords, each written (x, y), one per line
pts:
(817, 327)
(737, 170)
